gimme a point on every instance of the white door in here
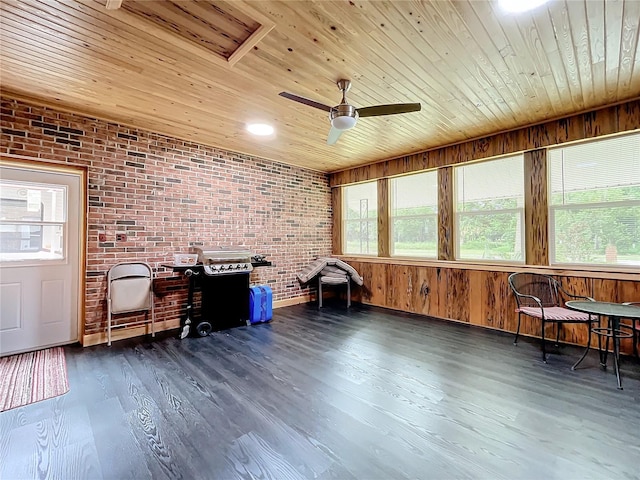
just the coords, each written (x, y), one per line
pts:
(40, 252)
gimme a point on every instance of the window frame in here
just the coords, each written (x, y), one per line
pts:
(458, 214)
(392, 217)
(62, 224)
(552, 209)
(368, 222)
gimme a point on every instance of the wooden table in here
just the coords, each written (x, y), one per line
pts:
(613, 330)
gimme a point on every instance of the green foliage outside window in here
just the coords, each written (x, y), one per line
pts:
(591, 224)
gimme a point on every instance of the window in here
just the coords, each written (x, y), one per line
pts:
(414, 215)
(32, 221)
(489, 210)
(594, 202)
(360, 216)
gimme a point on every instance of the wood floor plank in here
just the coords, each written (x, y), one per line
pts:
(334, 393)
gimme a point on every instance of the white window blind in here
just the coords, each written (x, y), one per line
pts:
(414, 215)
(594, 202)
(360, 218)
(489, 210)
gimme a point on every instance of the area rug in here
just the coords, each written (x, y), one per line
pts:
(31, 377)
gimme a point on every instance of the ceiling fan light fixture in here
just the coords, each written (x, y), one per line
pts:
(260, 129)
(344, 122)
(518, 6)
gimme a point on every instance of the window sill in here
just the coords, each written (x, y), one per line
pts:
(604, 272)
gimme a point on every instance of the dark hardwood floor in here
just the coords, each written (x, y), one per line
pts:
(363, 393)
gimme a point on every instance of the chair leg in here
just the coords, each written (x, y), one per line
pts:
(544, 351)
(348, 293)
(515, 342)
(109, 322)
(319, 294)
(153, 318)
(588, 346)
(558, 328)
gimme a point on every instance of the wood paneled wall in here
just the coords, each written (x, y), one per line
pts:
(476, 297)
(478, 294)
(605, 121)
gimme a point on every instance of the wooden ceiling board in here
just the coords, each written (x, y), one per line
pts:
(475, 70)
(216, 26)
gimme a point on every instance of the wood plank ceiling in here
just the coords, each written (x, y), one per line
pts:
(476, 70)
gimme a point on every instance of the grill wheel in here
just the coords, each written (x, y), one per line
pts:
(204, 329)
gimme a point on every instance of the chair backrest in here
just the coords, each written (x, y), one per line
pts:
(543, 287)
(130, 287)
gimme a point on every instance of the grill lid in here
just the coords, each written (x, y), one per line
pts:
(211, 255)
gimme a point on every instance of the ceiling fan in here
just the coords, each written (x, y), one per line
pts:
(344, 116)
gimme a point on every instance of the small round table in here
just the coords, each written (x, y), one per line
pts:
(613, 330)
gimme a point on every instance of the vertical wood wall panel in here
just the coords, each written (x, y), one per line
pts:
(498, 305)
(457, 293)
(445, 214)
(384, 248)
(399, 288)
(536, 233)
(629, 116)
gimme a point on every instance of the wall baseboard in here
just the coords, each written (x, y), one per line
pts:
(287, 302)
(139, 330)
(128, 332)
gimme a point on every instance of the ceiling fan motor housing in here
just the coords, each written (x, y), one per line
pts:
(343, 116)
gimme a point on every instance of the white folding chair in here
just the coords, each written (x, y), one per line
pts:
(130, 289)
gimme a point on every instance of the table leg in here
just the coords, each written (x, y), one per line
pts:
(603, 354)
(615, 324)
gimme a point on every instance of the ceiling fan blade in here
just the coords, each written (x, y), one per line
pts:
(305, 101)
(334, 135)
(392, 109)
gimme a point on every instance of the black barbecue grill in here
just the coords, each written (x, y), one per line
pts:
(222, 276)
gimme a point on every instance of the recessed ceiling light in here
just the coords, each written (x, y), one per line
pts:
(516, 6)
(261, 129)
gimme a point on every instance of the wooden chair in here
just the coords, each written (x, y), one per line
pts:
(129, 289)
(542, 296)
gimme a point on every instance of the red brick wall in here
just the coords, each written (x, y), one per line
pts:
(167, 194)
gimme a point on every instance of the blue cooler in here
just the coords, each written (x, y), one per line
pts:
(260, 304)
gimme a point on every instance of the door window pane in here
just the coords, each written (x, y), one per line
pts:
(594, 202)
(360, 213)
(489, 210)
(32, 221)
(414, 215)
